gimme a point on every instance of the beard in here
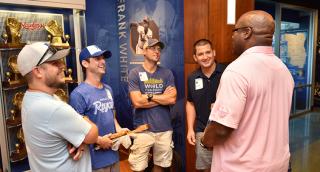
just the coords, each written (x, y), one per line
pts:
(54, 82)
(55, 85)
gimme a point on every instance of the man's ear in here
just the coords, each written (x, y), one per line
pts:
(195, 58)
(36, 72)
(144, 50)
(85, 63)
(214, 53)
(247, 33)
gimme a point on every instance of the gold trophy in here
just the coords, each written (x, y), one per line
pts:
(56, 36)
(14, 77)
(15, 113)
(17, 100)
(61, 94)
(20, 151)
(15, 118)
(68, 78)
(12, 37)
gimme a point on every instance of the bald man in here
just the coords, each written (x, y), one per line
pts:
(248, 125)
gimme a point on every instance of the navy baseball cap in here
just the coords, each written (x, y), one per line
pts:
(93, 51)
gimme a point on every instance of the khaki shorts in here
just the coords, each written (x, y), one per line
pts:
(111, 168)
(203, 155)
(162, 150)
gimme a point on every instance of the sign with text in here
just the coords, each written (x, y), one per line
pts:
(32, 24)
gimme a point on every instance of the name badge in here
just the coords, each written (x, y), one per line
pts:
(143, 76)
(198, 83)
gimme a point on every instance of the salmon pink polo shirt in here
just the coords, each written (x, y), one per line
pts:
(254, 98)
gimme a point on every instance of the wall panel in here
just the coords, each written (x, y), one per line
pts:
(195, 25)
(218, 29)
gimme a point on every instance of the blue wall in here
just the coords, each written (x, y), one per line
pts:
(108, 26)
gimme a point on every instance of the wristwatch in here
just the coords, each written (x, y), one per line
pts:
(150, 96)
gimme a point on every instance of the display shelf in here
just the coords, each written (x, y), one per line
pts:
(8, 87)
(20, 155)
(11, 83)
(13, 126)
(10, 49)
(13, 87)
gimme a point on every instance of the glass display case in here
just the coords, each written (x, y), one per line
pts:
(21, 25)
(294, 42)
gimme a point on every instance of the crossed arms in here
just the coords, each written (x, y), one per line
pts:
(168, 97)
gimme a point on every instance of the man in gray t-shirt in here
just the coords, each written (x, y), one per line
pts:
(152, 91)
(49, 124)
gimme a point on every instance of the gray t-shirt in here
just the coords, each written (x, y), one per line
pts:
(48, 125)
(158, 117)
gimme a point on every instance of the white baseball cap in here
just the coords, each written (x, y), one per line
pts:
(37, 53)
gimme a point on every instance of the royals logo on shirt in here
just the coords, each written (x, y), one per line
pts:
(104, 104)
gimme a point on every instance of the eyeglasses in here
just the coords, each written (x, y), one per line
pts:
(155, 48)
(50, 48)
(236, 29)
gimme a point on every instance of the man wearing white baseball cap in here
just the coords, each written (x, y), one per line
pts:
(48, 123)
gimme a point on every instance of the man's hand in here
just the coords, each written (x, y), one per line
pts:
(76, 153)
(191, 137)
(105, 142)
(122, 130)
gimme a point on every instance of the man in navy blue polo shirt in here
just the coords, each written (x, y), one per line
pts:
(202, 87)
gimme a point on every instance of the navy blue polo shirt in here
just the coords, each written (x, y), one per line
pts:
(202, 92)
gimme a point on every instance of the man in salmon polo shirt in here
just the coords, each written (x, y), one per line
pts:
(248, 125)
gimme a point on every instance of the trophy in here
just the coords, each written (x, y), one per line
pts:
(15, 118)
(15, 113)
(56, 36)
(12, 37)
(20, 151)
(61, 94)
(17, 100)
(68, 78)
(14, 77)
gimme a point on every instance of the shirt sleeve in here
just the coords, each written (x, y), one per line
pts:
(110, 89)
(189, 91)
(78, 103)
(170, 79)
(133, 81)
(68, 124)
(231, 99)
